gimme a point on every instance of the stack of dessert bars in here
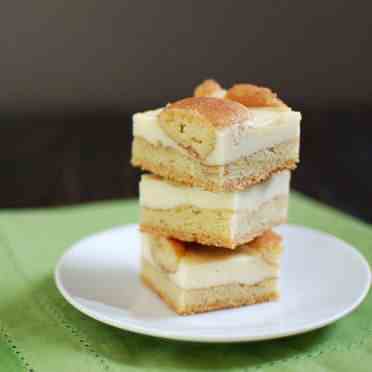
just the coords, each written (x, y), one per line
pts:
(220, 165)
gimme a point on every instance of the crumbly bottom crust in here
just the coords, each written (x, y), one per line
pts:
(173, 165)
(188, 223)
(206, 239)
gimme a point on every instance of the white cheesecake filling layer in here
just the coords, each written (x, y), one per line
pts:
(195, 271)
(263, 217)
(156, 193)
(266, 128)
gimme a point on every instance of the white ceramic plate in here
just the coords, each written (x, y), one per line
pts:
(323, 279)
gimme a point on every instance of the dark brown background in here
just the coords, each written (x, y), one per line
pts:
(72, 73)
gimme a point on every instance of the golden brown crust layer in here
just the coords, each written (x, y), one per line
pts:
(170, 164)
(201, 239)
(214, 112)
(234, 185)
(268, 239)
(208, 88)
(249, 181)
(268, 246)
(183, 236)
(206, 239)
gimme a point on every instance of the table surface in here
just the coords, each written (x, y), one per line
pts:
(39, 331)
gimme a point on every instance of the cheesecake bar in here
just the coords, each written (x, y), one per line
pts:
(225, 219)
(193, 278)
(218, 144)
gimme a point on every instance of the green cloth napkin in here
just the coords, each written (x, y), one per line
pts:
(41, 332)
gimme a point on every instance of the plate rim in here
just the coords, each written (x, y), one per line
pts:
(177, 335)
